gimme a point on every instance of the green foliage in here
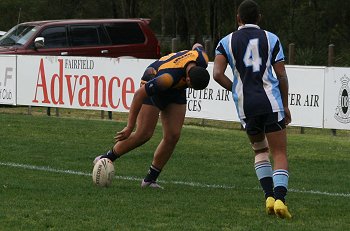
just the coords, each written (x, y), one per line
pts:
(343, 58)
(39, 195)
(311, 24)
(310, 56)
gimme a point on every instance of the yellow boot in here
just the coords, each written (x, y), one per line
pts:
(281, 210)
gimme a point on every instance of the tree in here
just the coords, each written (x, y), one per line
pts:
(310, 24)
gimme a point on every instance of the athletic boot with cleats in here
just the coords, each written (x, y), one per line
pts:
(270, 204)
(150, 184)
(281, 210)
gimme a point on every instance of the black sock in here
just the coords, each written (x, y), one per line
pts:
(152, 174)
(280, 193)
(110, 155)
(267, 185)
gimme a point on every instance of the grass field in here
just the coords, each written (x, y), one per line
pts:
(210, 184)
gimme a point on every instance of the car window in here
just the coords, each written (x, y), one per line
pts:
(87, 35)
(55, 37)
(125, 33)
(18, 35)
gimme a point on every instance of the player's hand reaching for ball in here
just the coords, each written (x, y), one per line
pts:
(123, 134)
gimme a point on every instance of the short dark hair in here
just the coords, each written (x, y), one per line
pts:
(249, 12)
(199, 77)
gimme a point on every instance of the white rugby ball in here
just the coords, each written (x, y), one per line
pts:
(103, 172)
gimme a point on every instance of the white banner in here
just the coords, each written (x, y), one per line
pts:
(105, 84)
(306, 85)
(318, 96)
(214, 102)
(8, 79)
(337, 91)
(79, 82)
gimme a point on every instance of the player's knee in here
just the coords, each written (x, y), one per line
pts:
(172, 138)
(261, 150)
(261, 146)
(144, 136)
(262, 157)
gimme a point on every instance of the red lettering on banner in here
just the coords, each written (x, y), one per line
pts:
(125, 90)
(96, 81)
(105, 93)
(60, 85)
(70, 92)
(85, 89)
(110, 91)
(41, 75)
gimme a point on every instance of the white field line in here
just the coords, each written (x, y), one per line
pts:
(191, 184)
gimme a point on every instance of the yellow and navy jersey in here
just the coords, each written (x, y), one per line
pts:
(169, 72)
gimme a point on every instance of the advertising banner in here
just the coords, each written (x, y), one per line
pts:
(214, 102)
(8, 80)
(337, 91)
(105, 84)
(79, 82)
(318, 96)
(306, 86)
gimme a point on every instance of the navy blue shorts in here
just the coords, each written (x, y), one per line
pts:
(163, 99)
(265, 123)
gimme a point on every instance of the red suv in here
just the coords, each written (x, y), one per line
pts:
(73, 37)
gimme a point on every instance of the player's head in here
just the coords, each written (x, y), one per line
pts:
(249, 12)
(199, 77)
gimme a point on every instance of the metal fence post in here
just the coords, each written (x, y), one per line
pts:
(174, 44)
(330, 64)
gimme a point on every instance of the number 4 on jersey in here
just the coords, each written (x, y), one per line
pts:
(252, 57)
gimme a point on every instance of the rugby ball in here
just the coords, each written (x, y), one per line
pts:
(103, 172)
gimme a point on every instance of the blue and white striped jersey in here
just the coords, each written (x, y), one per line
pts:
(251, 52)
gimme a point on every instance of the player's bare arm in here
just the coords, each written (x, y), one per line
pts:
(163, 82)
(281, 74)
(220, 64)
(136, 105)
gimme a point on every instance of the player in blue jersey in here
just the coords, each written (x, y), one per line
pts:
(162, 91)
(261, 99)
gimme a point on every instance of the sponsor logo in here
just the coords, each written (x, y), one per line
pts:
(87, 90)
(6, 86)
(342, 112)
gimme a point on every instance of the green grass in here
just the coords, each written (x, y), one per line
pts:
(209, 182)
